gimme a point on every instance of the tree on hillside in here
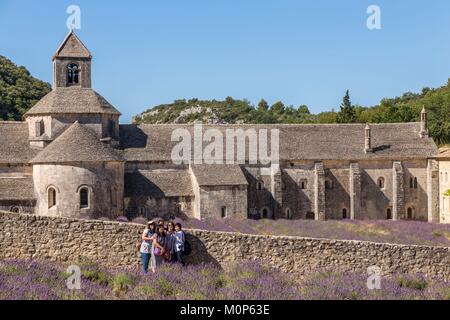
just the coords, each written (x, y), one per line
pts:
(303, 109)
(263, 106)
(277, 108)
(19, 91)
(347, 113)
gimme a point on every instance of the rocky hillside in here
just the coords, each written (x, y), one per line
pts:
(19, 91)
(405, 108)
(189, 111)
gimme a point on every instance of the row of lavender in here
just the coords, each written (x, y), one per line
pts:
(39, 280)
(401, 232)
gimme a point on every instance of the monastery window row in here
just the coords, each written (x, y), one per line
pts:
(84, 197)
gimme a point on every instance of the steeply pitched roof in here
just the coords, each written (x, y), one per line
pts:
(77, 144)
(72, 100)
(297, 142)
(14, 144)
(20, 188)
(158, 183)
(219, 175)
(72, 47)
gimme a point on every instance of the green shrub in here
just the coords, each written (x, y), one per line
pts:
(417, 284)
(98, 276)
(165, 287)
(147, 291)
(447, 295)
(122, 282)
(437, 234)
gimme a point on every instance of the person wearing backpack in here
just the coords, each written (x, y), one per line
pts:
(159, 246)
(147, 246)
(179, 243)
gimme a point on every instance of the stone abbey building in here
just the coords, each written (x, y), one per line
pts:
(71, 157)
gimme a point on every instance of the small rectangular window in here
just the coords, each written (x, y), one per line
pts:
(39, 126)
(224, 212)
(114, 197)
(111, 129)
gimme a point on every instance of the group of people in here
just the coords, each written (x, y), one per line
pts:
(162, 242)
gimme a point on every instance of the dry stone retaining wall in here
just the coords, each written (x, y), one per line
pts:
(113, 244)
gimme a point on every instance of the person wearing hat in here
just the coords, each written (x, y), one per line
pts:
(146, 249)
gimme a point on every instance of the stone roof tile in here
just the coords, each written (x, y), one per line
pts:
(219, 175)
(158, 183)
(72, 47)
(15, 147)
(72, 100)
(297, 142)
(77, 144)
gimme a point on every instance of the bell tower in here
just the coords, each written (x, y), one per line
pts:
(72, 64)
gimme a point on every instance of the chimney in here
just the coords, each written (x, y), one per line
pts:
(423, 123)
(368, 139)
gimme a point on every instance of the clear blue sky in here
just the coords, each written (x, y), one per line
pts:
(301, 52)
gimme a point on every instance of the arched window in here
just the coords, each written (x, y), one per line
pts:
(410, 213)
(381, 183)
(413, 183)
(224, 212)
(73, 74)
(260, 185)
(51, 197)
(388, 213)
(303, 184)
(84, 198)
(289, 213)
(328, 184)
(344, 213)
(265, 212)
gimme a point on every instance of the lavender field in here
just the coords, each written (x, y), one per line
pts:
(384, 231)
(40, 280)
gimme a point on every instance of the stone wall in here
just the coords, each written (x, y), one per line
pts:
(113, 244)
(232, 198)
(103, 180)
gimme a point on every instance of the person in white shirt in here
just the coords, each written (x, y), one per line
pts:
(146, 249)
